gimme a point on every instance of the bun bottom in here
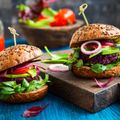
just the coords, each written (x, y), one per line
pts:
(88, 73)
(29, 96)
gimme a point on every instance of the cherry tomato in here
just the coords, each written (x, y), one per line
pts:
(65, 16)
(20, 71)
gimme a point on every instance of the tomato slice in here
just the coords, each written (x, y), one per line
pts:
(20, 71)
(65, 16)
(41, 17)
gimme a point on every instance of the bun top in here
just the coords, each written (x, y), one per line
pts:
(94, 32)
(15, 55)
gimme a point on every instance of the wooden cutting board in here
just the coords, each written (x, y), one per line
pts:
(80, 91)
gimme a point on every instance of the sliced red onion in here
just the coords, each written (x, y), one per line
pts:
(3, 74)
(33, 111)
(58, 68)
(106, 43)
(103, 84)
(83, 50)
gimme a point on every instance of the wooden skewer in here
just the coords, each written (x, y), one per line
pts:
(14, 33)
(82, 9)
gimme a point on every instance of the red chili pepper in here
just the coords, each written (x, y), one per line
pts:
(65, 16)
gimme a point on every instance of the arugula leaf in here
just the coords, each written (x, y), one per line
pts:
(56, 56)
(49, 12)
(61, 58)
(98, 68)
(79, 63)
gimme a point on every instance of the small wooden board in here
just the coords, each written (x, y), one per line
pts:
(83, 92)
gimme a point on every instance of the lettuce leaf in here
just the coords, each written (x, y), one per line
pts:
(98, 68)
(31, 72)
(106, 51)
(110, 50)
(11, 87)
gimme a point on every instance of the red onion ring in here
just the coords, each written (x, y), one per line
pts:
(93, 51)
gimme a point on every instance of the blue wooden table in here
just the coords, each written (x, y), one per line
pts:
(58, 109)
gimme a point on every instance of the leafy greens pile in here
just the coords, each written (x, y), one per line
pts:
(11, 87)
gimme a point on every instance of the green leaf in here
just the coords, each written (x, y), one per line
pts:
(32, 72)
(98, 68)
(49, 12)
(31, 88)
(110, 50)
(56, 56)
(25, 83)
(106, 51)
(19, 89)
(76, 53)
(53, 56)
(22, 7)
(7, 90)
(9, 84)
(79, 63)
(58, 61)
(110, 66)
(93, 55)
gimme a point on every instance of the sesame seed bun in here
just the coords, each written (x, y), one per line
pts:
(28, 96)
(15, 55)
(94, 32)
(86, 72)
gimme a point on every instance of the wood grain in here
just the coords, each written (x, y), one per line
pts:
(83, 92)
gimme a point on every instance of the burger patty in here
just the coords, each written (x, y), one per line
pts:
(101, 59)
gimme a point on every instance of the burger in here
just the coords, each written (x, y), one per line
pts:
(20, 79)
(96, 51)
